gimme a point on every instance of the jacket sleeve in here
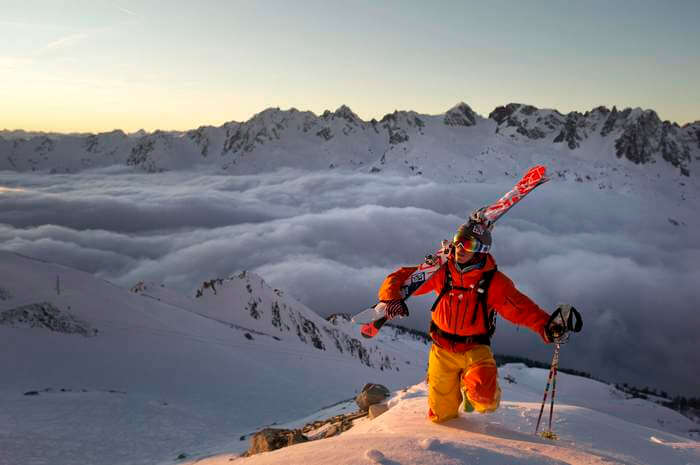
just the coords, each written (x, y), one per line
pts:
(391, 287)
(515, 306)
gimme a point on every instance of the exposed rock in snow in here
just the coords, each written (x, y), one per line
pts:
(274, 438)
(48, 316)
(460, 115)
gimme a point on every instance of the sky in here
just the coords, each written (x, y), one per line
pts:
(328, 238)
(91, 66)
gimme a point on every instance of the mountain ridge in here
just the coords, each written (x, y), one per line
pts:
(275, 137)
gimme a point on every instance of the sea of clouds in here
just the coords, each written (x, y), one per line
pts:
(329, 238)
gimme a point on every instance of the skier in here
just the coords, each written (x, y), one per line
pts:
(461, 367)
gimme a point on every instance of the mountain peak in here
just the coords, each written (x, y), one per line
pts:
(502, 113)
(343, 112)
(460, 115)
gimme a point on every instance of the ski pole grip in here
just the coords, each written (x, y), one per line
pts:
(576, 322)
(569, 316)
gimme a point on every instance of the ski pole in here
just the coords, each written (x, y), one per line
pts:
(546, 389)
(555, 367)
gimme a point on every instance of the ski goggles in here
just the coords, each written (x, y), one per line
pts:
(470, 244)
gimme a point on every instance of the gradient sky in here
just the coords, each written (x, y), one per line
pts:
(99, 65)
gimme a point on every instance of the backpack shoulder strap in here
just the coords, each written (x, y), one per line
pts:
(482, 299)
(445, 288)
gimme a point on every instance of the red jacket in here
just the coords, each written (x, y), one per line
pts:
(454, 312)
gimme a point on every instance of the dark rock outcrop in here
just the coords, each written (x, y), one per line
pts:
(274, 438)
(647, 135)
(200, 138)
(325, 133)
(48, 316)
(460, 115)
(343, 112)
(500, 114)
(569, 132)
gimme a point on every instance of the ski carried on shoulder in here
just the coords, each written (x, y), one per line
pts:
(372, 319)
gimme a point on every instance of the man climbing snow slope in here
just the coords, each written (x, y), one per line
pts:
(470, 291)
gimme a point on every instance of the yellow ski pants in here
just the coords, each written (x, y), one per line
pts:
(474, 369)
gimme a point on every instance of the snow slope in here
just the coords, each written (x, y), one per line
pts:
(101, 375)
(93, 373)
(595, 425)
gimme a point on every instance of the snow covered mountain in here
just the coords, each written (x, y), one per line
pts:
(130, 377)
(403, 140)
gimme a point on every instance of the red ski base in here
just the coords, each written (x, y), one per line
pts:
(370, 330)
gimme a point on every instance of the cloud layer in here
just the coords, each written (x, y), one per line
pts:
(329, 239)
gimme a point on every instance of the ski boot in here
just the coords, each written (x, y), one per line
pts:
(466, 405)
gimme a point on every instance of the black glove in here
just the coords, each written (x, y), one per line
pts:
(395, 308)
(564, 319)
(556, 332)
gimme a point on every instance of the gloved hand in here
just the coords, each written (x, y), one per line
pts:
(394, 308)
(563, 320)
(555, 331)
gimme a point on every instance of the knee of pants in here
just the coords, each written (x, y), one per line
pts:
(443, 408)
(444, 397)
(481, 383)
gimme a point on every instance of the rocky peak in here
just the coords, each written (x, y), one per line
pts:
(268, 118)
(644, 135)
(526, 120)
(500, 114)
(601, 110)
(635, 142)
(343, 112)
(260, 128)
(460, 115)
(397, 124)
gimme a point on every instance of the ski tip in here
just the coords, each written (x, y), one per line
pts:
(368, 331)
(532, 178)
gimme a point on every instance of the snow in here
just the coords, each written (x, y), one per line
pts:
(587, 433)
(164, 372)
